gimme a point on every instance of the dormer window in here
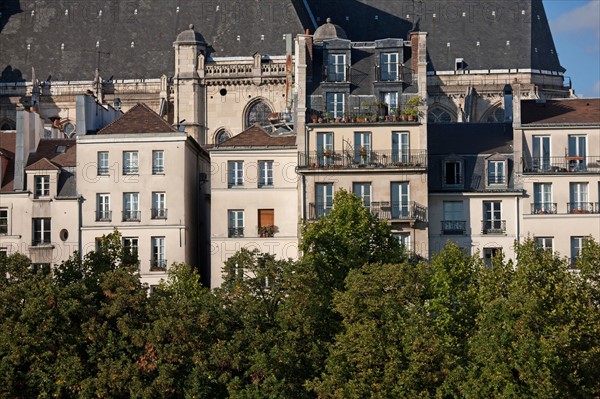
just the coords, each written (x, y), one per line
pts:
(389, 67)
(336, 68)
(42, 186)
(453, 173)
(335, 104)
(496, 173)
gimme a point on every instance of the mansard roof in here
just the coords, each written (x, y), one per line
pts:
(139, 119)
(565, 111)
(256, 136)
(133, 40)
(53, 152)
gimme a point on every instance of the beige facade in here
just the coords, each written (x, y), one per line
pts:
(155, 205)
(246, 203)
(383, 163)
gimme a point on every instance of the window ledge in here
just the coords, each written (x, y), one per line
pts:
(41, 246)
(42, 199)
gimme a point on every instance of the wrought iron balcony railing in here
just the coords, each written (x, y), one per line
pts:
(130, 170)
(580, 207)
(236, 232)
(493, 226)
(564, 164)
(543, 208)
(103, 216)
(496, 179)
(159, 213)
(132, 216)
(158, 265)
(328, 159)
(386, 210)
(318, 210)
(158, 170)
(454, 227)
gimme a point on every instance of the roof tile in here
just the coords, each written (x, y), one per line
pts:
(256, 136)
(577, 110)
(139, 119)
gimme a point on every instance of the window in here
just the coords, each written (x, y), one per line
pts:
(159, 205)
(236, 173)
(3, 220)
(492, 218)
(453, 173)
(130, 247)
(336, 68)
(496, 172)
(542, 199)
(404, 240)
(400, 147)
(389, 66)
(42, 186)
(363, 191)
(221, 136)
(3, 252)
(576, 248)
(323, 200)
(362, 147)
(258, 112)
(577, 153)
(103, 168)
(103, 212)
(544, 242)
(541, 153)
(400, 201)
(325, 148)
(497, 115)
(266, 223)
(265, 170)
(131, 207)
(41, 231)
(579, 199)
(390, 98)
(439, 115)
(236, 223)
(491, 253)
(158, 162)
(454, 222)
(158, 261)
(130, 163)
(335, 104)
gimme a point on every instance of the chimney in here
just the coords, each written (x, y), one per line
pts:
(418, 41)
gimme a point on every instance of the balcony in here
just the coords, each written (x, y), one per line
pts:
(454, 227)
(158, 265)
(582, 207)
(103, 216)
(158, 170)
(564, 164)
(159, 213)
(236, 232)
(493, 226)
(336, 73)
(543, 208)
(132, 216)
(351, 159)
(496, 180)
(385, 210)
(318, 210)
(130, 170)
(103, 171)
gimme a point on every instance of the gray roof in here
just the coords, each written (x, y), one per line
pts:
(135, 38)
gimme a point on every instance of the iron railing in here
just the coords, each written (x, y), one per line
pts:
(158, 265)
(158, 170)
(454, 227)
(564, 164)
(580, 207)
(159, 213)
(543, 208)
(236, 232)
(493, 226)
(386, 210)
(103, 216)
(132, 216)
(348, 159)
(131, 170)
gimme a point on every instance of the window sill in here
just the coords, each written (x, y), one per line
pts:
(41, 246)
(43, 199)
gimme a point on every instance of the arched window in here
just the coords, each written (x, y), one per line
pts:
(258, 112)
(439, 115)
(221, 136)
(497, 115)
(7, 124)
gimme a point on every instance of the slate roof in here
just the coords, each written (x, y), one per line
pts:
(46, 154)
(256, 136)
(135, 39)
(567, 111)
(7, 158)
(474, 144)
(139, 119)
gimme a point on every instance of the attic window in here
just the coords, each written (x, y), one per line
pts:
(61, 149)
(459, 64)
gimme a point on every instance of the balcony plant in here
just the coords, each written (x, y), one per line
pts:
(327, 153)
(267, 230)
(412, 108)
(362, 151)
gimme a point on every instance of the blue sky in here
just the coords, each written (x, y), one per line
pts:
(575, 27)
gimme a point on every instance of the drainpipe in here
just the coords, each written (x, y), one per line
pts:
(80, 227)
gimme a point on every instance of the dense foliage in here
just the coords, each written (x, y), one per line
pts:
(355, 318)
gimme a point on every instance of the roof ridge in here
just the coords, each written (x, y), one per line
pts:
(151, 116)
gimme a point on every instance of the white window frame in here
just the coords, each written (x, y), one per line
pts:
(492, 217)
(401, 147)
(576, 248)
(265, 171)
(159, 205)
(336, 68)
(42, 185)
(363, 190)
(158, 162)
(323, 198)
(103, 207)
(546, 243)
(540, 149)
(391, 99)
(132, 243)
(131, 164)
(42, 231)
(389, 69)
(335, 104)
(496, 173)
(235, 223)
(103, 163)
(577, 152)
(131, 206)
(4, 228)
(235, 173)
(158, 254)
(542, 198)
(400, 200)
(579, 197)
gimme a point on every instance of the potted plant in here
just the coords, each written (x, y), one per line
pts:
(327, 153)
(362, 151)
(327, 117)
(267, 231)
(412, 108)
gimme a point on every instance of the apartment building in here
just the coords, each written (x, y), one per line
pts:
(558, 144)
(474, 198)
(149, 181)
(254, 192)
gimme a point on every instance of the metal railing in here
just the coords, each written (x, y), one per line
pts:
(103, 171)
(158, 170)
(454, 227)
(362, 159)
(236, 232)
(132, 216)
(543, 208)
(158, 265)
(159, 213)
(493, 226)
(130, 170)
(492, 179)
(386, 210)
(331, 74)
(580, 207)
(563, 164)
(41, 241)
(103, 216)
(318, 210)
